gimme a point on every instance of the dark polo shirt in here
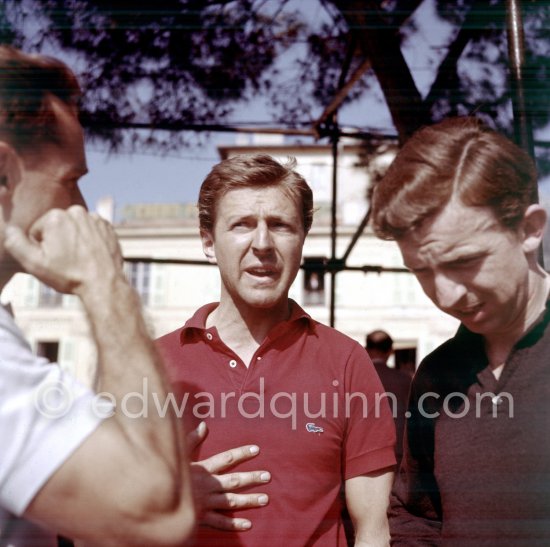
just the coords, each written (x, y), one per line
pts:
(476, 469)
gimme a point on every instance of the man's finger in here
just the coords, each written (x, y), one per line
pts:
(232, 501)
(229, 458)
(52, 218)
(234, 481)
(223, 522)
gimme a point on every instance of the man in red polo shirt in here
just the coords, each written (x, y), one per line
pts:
(259, 370)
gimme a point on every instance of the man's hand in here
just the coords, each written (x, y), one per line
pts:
(69, 250)
(76, 252)
(215, 491)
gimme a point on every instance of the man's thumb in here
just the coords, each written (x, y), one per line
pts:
(196, 436)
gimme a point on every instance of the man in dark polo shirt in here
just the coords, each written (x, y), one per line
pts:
(258, 369)
(476, 469)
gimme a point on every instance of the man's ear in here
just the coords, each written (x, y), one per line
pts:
(532, 227)
(208, 246)
(9, 171)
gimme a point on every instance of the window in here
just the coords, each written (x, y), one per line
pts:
(49, 350)
(139, 274)
(314, 281)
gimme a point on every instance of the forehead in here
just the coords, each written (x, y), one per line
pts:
(456, 231)
(258, 201)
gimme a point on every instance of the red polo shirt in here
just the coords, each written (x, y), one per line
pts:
(313, 403)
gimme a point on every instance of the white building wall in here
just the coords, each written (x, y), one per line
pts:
(392, 301)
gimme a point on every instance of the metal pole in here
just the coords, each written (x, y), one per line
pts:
(333, 232)
(356, 236)
(523, 130)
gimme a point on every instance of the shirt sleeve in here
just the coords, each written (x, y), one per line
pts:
(44, 416)
(370, 437)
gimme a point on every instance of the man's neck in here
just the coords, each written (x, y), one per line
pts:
(499, 345)
(5, 275)
(8, 267)
(243, 328)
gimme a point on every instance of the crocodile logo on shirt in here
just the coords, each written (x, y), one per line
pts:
(312, 428)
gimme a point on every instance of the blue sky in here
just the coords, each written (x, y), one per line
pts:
(143, 178)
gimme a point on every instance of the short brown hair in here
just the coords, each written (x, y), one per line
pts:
(459, 157)
(252, 171)
(27, 83)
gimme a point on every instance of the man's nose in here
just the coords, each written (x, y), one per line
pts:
(448, 291)
(263, 240)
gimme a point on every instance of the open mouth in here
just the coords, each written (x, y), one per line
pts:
(470, 310)
(262, 272)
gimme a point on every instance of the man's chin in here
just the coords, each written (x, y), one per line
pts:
(473, 319)
(480, 325)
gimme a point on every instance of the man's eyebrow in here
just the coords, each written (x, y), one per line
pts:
(240, 216)
(452, 259)
(279, 217)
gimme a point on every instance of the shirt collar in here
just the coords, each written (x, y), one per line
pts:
(474, 344)
(536, 330)
(198, 321)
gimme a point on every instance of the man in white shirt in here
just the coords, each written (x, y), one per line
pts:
(70, 462)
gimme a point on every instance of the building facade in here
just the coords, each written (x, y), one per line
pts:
(172, 291)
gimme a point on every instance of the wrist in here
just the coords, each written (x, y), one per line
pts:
(106, 289)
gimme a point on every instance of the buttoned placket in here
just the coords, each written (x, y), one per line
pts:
(490, 384)
(239, 374)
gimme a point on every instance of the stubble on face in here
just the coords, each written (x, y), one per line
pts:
(257, 243)
(470, 266)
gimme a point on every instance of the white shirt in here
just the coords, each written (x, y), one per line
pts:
(44, 416)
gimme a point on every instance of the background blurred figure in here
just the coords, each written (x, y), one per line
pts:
(396, 382)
